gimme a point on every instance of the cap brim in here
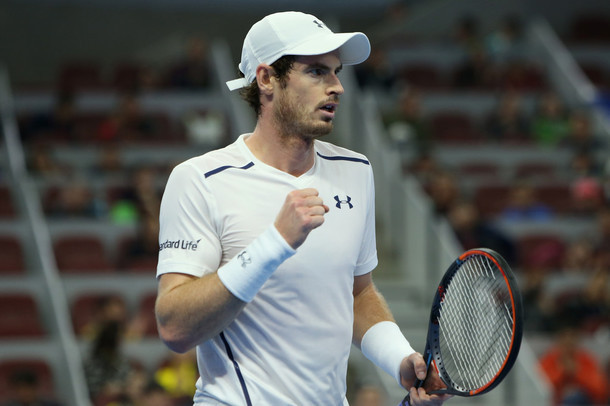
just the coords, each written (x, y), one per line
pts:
(353, 47)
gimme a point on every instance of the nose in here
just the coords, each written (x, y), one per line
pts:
(335, 86)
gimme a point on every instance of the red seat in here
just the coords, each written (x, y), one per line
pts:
(19, 316)
(530, 170)
(423, 76)
(541, 251)
(558, 197)
(7, 208)
(11, 368)
(11, 255)
(479, 170)
(454, 127)
(490, 200)
(80, 75)
(81, 253)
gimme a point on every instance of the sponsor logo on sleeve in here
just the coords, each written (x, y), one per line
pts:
(179, 245)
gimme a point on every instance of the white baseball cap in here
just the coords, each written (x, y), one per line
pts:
(295, 33)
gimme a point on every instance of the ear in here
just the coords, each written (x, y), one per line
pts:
(265, 78)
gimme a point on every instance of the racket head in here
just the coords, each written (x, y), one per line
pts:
(476, 323)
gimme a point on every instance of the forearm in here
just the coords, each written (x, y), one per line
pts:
(370, 308)
(193, 310)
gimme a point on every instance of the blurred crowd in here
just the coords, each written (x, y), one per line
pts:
(492, 63)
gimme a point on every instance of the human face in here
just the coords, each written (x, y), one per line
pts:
(305, 107)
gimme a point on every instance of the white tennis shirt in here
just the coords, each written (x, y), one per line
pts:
(290, 345)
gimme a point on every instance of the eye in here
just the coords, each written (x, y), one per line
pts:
(317, 71)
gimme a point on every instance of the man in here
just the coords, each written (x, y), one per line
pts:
(267, 245)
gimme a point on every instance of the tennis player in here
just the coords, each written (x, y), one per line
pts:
(266, 246)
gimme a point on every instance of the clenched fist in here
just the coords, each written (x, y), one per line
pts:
(302, 211)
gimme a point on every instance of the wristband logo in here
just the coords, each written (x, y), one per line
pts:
(179, 244)
(244, 258)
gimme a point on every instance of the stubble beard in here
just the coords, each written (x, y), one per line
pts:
(292, 120)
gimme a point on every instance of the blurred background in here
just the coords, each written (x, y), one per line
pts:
(486, 122)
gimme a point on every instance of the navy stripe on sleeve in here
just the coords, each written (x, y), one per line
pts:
(222, 168)
(344, 158)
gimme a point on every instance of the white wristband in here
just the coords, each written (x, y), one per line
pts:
(246, 273)
(386, 347)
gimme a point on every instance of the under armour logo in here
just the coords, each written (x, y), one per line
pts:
(244, 258)
(347, 200)
(318, 23)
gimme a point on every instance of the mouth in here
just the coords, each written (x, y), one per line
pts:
(329, 108)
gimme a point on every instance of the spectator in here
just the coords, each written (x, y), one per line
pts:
(142, 251)
(109, 309)
(154, 395)
(579, 257)
(57, 125)
(407, 125)
(26, 390)
(587, 196)
(194, 71)
(473, 232)
(508, 122)
(177, 374)
(573, 371)
(501, 42)
(550, 120)
(141, 198)
(581, 136)
(41, 162)
(106, 368)
(376, 73)
(583, 165)
(444, 192)
(110, 162)
(74, 200)
(475, 72)
(127, 123)
(523, 204)
(540, 310)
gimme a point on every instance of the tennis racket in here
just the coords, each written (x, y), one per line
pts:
(476, 325)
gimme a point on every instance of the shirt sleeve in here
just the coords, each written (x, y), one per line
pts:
(188, 239)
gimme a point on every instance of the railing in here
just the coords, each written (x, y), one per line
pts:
(70, 376)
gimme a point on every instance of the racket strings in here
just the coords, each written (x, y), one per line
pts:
(475, 324)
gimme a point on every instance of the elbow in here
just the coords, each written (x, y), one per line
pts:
(174, 340)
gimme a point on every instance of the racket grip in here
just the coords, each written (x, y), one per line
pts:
(406, 400)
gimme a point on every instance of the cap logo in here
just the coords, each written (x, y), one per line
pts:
(318, 23)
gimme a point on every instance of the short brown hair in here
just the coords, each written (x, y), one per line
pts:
(251, 93)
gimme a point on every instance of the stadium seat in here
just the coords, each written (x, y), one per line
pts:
(19, 316)
(454, 127)
(81, 254)
(11, 255)
(423, 76)
(538, 170)
(80, 75)
(541, 251)
(40, 369)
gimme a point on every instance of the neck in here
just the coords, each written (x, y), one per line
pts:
(292, 154)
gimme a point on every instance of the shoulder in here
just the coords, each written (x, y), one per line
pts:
(215, 161)
(332, 152)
